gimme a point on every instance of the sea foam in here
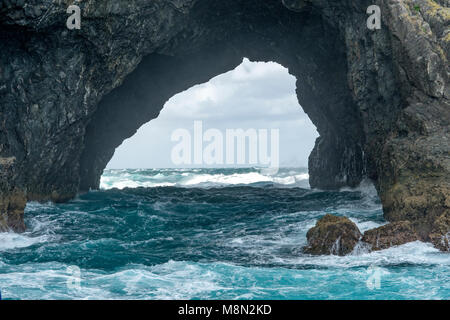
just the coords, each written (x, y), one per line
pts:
(134, 178)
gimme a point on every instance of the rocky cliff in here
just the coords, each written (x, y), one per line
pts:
(379, 98)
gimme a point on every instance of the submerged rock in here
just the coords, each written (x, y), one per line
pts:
(333, 235)
(392, 234)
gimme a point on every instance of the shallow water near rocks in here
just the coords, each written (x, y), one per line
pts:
(208, 234)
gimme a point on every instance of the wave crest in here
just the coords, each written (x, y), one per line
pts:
(201, 178)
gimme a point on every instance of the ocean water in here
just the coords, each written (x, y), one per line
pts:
(208, 234)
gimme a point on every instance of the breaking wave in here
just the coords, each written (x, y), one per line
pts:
(134, 178)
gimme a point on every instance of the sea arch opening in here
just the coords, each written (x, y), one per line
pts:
(229, 122)
(312, 50)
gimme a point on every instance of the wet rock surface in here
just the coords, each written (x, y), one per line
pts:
(332, 235)
(339, 235)
(440, 232)
(392, 234)
(379, 98)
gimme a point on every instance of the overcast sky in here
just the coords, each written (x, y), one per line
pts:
(254, 95)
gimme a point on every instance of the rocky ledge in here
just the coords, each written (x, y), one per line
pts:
(392, 234)
(340, 236)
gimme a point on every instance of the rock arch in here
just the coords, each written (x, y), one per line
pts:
(379, 99)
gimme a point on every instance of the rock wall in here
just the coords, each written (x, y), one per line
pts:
(379, 98)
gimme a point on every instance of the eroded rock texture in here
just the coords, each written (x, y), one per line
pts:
(380, 99)
(392, 234)
(333, 235)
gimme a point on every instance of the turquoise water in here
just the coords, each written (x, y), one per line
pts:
(208, 234)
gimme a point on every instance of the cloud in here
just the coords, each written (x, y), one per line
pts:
(254, 95)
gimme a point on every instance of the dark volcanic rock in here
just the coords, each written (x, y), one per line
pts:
(379, 99)
(12, 201)
(392, 234)
(333, 235)
(14, 204)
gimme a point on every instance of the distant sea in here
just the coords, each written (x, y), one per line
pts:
(208, 234)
